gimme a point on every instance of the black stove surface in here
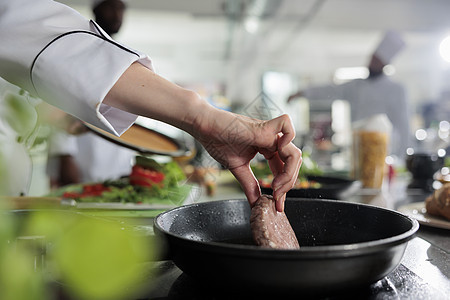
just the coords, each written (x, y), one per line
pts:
(402, 283)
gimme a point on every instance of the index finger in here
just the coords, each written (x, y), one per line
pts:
(291, 156)
(283, 125)
(248, 182)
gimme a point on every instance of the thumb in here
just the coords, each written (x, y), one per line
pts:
(248, 183)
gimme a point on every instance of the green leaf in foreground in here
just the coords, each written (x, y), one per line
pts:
(93, 257)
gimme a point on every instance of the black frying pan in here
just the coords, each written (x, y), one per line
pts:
(331, 188)
(343, 245)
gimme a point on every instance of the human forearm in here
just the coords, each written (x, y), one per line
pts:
(142, 92)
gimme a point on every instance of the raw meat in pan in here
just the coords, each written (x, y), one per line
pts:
(270, 228)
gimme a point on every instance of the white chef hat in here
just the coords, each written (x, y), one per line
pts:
(389, 46)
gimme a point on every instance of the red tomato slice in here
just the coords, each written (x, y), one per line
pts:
(145, 177)
(71, 195)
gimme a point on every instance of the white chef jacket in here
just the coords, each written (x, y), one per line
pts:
(58, 55)
(61, 57)
(372, 96)
(97, 158)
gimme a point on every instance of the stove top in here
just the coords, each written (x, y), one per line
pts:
(402, 283)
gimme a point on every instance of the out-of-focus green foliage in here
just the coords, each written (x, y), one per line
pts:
(19, 119)
(92, 258)
(18, 279)
(3, 173)
(19, 114)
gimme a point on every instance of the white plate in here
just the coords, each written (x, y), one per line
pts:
(121, 206)
(418, 211)
(193, 196)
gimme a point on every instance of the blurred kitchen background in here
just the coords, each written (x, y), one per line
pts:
(234, 52)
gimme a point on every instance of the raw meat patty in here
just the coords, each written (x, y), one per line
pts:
(270, 228)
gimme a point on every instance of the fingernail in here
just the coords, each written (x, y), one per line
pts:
(281, 200)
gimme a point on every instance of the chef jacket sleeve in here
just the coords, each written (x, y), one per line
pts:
(58, 55)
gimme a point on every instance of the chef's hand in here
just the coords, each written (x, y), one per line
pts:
(234, 140)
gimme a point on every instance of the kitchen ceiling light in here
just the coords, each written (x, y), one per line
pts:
(251, 24)
(421, 134)
(389, 70)
(444, 49)
(345, 74)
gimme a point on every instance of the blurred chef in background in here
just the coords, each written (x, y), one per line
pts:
(374, 95)
(86, 157)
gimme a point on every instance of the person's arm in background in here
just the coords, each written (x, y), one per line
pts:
(62, 168)
(68, 171)
(323, 92)
(57, 55)
(294, 96)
